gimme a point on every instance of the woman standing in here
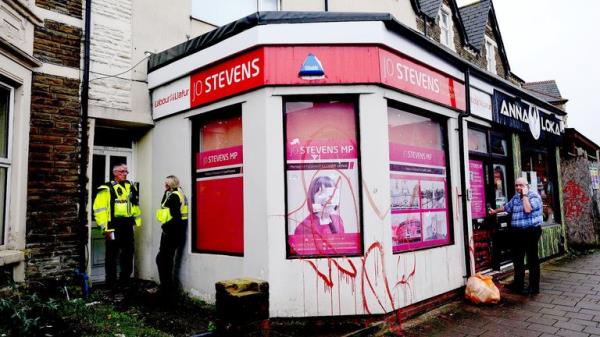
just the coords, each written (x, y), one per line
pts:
(173, 215)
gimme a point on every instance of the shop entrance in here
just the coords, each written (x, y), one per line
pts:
(111, 147)
(104, 160)
(490, 174)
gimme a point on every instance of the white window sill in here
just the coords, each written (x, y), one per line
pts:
(11, 257)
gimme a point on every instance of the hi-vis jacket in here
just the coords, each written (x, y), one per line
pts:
(125, 199)
(163, 215)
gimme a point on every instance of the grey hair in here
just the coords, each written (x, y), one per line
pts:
(115, 167)
(173, 182)
(523, 180)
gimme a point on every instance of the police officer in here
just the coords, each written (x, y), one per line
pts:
(117, 211)
(173, 215)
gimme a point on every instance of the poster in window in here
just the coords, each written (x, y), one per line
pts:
(219, 187)
(418, 186)
(323, 216)
(476, 180)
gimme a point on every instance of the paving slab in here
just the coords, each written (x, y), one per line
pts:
(568, 305)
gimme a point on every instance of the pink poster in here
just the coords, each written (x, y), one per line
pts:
(478, 210)
(418, 187)
(323, 213)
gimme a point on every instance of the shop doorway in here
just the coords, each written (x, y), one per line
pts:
(490, 175)
(103, 160)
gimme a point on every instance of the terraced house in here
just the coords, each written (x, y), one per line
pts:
(404, 115)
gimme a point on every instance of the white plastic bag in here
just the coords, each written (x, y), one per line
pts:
(481, 289)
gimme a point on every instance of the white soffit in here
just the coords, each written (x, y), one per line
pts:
(362, 32)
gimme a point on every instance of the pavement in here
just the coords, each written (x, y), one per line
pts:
(568, 305)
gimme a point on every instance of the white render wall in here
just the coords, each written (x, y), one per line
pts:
(402, 10)
(295, 288)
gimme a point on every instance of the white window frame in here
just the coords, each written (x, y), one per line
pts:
(447, 28)
(490, 55)
(6, 162)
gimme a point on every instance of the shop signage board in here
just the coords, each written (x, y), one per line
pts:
(401, 73)
(307, 65)
(170, 98)
(526, 117)
(481, 104)
(323, 217)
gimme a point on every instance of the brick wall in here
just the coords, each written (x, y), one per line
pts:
(54, 148)
(578, 203)
(68, 7)
(52, 191)
(57, 43)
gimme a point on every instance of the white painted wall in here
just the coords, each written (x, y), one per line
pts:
(402, 10)
(295, 288)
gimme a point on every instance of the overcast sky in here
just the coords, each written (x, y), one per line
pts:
(557, 40)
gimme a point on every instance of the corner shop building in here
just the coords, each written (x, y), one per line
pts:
(327, 153)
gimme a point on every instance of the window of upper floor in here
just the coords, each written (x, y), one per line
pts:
(490, 55)
(446, 27)
(219, 13)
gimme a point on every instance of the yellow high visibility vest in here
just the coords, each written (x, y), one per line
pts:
(163, 215)
(125, 204)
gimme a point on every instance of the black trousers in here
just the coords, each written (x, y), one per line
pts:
(122, 248)
(168, 259)
(525, 242)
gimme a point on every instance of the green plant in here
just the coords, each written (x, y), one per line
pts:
(28, 315)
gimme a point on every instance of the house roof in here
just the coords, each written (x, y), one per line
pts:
(475, 18)
(546, 90)
(430, 8)
(573, 135)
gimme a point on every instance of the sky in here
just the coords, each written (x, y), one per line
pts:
(556, 40)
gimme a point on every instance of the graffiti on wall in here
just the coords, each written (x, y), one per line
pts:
(578, 206)
(576, 199)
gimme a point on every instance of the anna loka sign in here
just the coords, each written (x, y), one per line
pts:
(526, 117)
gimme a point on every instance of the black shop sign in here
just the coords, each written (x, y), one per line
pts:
(527, 118)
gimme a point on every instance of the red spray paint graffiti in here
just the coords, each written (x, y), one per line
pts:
(575, 199)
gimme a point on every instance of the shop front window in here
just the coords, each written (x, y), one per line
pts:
(499, 145)
(539, 169)
(500, 190)
(322, 175)
(477, 141)
(418, 181)
(218, 191)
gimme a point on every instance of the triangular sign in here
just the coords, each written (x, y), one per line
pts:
(311, 67)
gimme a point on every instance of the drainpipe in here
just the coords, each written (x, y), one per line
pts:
(424, 24)
(83, 226)
(327, 5)
(463, 173)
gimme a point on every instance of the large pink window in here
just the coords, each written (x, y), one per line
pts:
(323, 195)
(418, 181)
(219, 208)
